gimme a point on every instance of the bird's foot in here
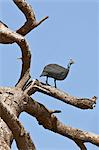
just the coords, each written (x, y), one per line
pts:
(48, 84)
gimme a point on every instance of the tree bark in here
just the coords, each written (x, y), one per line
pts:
(15, 100)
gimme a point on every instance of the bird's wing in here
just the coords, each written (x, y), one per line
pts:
(54, 68)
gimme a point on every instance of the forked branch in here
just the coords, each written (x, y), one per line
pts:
(44, 116)
(6, 33)
(82, 103)
(7, 36)
(30, 23)
(49, 121)
(22, 138)
(80, 144)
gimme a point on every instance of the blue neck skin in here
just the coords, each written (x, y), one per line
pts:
(68, 66)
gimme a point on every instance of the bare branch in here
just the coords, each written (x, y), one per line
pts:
(2, 24)
(22, 82)
(44, 116)
(55, 111)
(26, 9)
(22, 138)
(6, 33)
(3, 145)
(80, 144)
(8, 37)
(42, 20)
(82, 103)
(49, 121)
(29, 14)
(26, 60)
(31, 22)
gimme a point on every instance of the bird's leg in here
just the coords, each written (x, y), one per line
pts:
(47, 80)
(55, 83)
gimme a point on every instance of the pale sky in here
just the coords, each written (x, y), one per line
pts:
(70, 32)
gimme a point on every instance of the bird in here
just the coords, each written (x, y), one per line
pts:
(56, 71)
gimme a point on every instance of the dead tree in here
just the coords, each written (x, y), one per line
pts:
(15, 100)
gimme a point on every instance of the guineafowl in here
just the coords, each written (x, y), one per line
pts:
(56, 71)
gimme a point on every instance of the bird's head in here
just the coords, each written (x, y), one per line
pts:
(70, 63)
